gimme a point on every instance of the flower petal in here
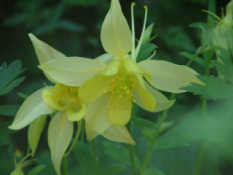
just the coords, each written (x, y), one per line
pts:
(162, 103)
(112, 67)
(168, 76)
(115, 33)
(52, 99)
(118, 134)
(72, 71)
(76, 111)
(96, 118)
(94, 88)
(60, 132)
(105, 58)
(118, 115)
(34, 132)
(44, 52)
(32, 108)
(142, 96)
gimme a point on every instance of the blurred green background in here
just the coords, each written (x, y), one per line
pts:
(73, 27)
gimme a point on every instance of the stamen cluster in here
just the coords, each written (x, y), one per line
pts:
(120, 91)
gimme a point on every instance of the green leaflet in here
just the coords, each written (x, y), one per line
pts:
(8, 76)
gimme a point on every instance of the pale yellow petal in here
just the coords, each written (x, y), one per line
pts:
(112, 67)
(118, 115)
(162, 103)
(94, 88)
(105, 58)
(131, 66)
(44, 52)
(52, 99)
(72, 71)
(115, 33)
(60, 132)
(34, 132)
(118, 134)
(32, 108)
(76, 111)
(142, 96)
(168, 76)
(96, 118)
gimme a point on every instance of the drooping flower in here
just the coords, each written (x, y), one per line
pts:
(110, 94)
(61, 98)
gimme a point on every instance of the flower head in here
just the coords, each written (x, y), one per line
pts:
(123, 81)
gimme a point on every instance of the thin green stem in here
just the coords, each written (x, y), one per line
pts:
(131, 152)
(95, 157)
(204, 145)
(155, 135)
(79, 126)
(65, 166)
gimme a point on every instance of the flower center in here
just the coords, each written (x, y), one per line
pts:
(61, 96)
(120, 91)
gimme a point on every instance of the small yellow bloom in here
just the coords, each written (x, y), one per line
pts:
(47, 100)
(121, 80)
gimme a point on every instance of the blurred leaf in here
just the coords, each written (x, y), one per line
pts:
(36, 170)
(214, 88)
(85, 3)
(146, 51)
(176, 38)
(9, 110)
(197, 59)
(147, 35)
(8, 75)
(113, 169)
(143, 123)
(69, 26)
(85, 157)
(152, 171)
(119, 153)
(177, 137)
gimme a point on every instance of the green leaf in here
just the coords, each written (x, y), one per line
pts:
(143, 123)
(153, 171)
(197, 59)
(146, 51)
(85, 158)
(119, 153)
(36, 170)
(85, 3)
(69, 26)
(147, 35)
(34, 132)
(215, 88)
(9, 110)
(8, 76)
(112, 169)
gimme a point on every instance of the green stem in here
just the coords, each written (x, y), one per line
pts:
(131, 152)
(155, 135)
(200, 159)
(79, 126)
(65, 166)
(95, 157)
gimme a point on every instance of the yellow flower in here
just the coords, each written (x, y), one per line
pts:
(110, 94)
(61, 98)
(45, 101)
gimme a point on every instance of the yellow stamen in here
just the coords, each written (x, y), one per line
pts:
(133, 31)
(120, 91)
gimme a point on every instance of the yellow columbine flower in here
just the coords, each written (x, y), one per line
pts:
(110, 94)
(61, 98)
